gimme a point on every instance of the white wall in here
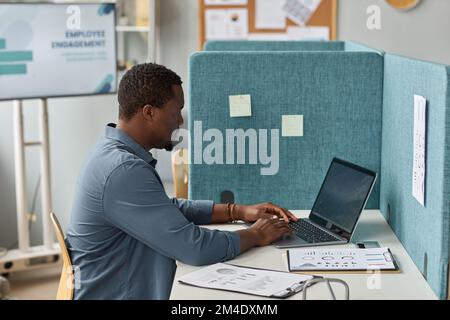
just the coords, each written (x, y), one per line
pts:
(76, 123)
(421, 33)
(178, 32)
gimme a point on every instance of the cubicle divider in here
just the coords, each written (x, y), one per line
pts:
(423, 230)
(260, 45)
(338, 94)
(257, 45)
(351, 46)
(357, 104)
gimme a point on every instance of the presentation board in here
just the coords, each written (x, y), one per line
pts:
(53, 50)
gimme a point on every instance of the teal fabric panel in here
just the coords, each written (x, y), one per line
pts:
(351, 46)
(422, 230)
(339, 94)
(253, 45)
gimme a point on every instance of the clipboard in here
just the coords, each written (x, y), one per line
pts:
(395, 270)
(283, 294)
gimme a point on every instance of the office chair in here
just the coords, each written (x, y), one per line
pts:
(180, 172)
(66, 282)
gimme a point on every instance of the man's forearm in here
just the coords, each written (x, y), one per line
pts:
(220, 213)
(249, 239)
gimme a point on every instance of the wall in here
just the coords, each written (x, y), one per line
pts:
(178, 34)
(75, 124)
(422, 33)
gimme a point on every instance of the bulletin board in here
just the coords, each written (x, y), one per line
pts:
(324, 16)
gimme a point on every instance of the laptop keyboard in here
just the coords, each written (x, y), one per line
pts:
(309, 232)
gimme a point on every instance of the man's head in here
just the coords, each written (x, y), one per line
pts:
(151, 98)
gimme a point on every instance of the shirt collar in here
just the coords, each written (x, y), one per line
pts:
(112, 132)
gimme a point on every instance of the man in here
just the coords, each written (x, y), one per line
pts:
(125, 234)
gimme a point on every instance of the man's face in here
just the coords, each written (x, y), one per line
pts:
(168, 118)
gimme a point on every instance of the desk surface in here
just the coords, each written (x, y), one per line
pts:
(409, 284)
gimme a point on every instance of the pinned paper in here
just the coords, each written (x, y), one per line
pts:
(225, 2)
(300, 11)
(240, 106)
(224, 24)
(309, 33)
(292, 126)
(268, 36)
(418, 183)
(270, 14)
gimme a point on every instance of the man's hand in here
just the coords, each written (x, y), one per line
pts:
(263, 211)
(263, 233)
(269, 230)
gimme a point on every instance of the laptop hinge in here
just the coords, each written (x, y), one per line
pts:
(328, 231)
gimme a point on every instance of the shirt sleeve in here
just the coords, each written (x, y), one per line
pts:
(199, 212)
(135, 202)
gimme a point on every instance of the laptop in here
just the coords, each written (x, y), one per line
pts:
(336, 211)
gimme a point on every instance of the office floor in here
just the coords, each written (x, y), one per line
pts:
(35, 285)
(42, 284)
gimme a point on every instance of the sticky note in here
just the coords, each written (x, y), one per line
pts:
(240, 106)
(292, 126)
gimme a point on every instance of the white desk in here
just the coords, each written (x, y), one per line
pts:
(409, 284)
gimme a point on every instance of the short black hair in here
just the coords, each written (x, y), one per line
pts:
(145, 84)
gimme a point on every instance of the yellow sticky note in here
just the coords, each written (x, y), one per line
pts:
(292, 126)
(240, 106)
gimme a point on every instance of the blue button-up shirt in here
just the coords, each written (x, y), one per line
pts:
(125, 233)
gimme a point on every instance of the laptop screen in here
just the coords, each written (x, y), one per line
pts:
(342, 196)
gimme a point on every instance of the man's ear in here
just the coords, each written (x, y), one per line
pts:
(149, 112)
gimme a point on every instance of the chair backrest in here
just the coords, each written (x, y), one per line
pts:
(180, 173)
(66, 282)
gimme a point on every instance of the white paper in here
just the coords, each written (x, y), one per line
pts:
(292, 126)
(240, 106)
(300, 11)
(246, 280)
(340, 259)
(309, 33)
(270, 14)
(225, 2)
(268, 36)
(418, 182)
(226, 24)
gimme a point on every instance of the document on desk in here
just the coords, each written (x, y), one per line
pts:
(253, 281)
(341, 259)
